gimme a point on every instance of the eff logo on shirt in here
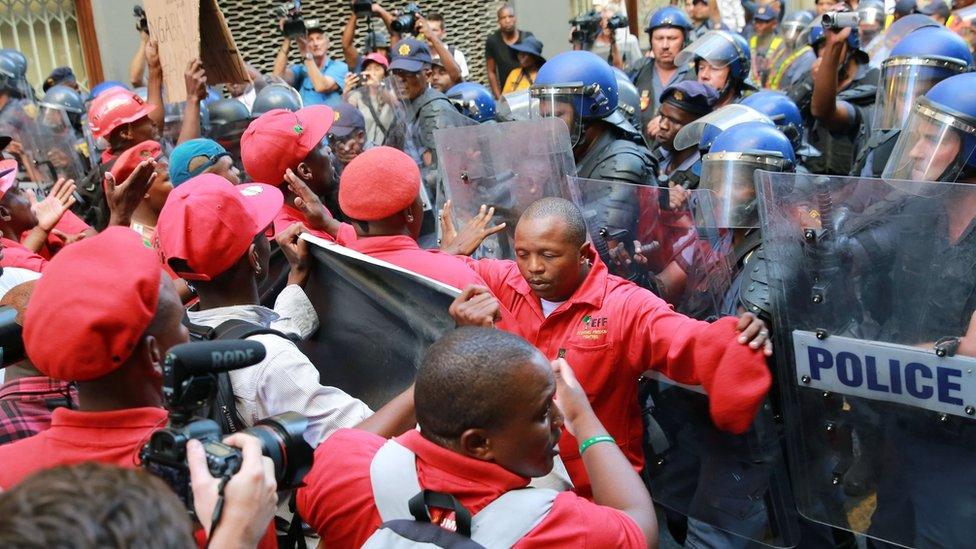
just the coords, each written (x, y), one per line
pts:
(593, 327)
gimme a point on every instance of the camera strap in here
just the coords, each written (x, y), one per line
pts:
(218, 507)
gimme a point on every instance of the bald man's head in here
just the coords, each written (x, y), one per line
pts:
(559, 208)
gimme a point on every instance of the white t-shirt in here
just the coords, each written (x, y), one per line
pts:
(549, 306)
(12, 277)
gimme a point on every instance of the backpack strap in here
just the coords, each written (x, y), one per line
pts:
(393, 476)
(510, 517)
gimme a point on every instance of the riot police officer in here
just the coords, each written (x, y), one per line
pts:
(13, 66)
(796, 57)
(228, 120)
(841, 99)
(722, 60)
(628, 100)
(786, 115)
(681, 104)
(917, 62)
(667, 29)
(473, 100)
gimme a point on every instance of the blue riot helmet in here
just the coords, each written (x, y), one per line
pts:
(721, 49)
(793, 26)
(576, 86)
(921, 59)
(13, 74)
(227, 111)
(938, 142)
(62, 103)
(785, 114)
(872, 20)
(101, 87)
(669, 17)
(627, 117)
(702, 132)
(729, 165)
(818, 36)
(473, 100)
(276, 96)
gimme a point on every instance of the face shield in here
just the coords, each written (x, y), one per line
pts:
(903, 80)
(729, 177)
(697, 133)
(871, 22)
(933, 146)
(791, 32)
(714, 47)
(515, 105)
(879, 50)
(54, 117)
(563, 102)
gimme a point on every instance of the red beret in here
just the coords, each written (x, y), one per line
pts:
(378, 183)
(130, 159)
(92, 306)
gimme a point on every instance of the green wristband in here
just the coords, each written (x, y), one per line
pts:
(595, 440)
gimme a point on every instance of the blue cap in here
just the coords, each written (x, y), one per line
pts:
(410, 55)
(184, 153)
(691, 96)
(347, 120)
(766, 13)
(58, 76)
(530, 45)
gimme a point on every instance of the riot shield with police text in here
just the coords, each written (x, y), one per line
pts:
(361, 301)
(506, 166)
(732, 489)
(874, 293)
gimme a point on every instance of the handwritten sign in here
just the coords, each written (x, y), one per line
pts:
(186, 30)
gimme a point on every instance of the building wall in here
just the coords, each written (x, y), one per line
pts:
(118, 39)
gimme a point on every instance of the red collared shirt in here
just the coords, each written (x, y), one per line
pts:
(611, 331)
(74, 436)
(288, 216)
(338, 499)
(16, 254)
(26, 405)
(69, 224)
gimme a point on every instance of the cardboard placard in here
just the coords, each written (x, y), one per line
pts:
(187, 29)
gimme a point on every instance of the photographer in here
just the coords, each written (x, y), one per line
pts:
(436, 28)
(319, 79)
(375, 101)
(613, 42)
(376, 41)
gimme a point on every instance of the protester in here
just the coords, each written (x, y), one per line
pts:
(146, 214)
(196, 156)
(490, 408)
(530, 59)
(500, 60)
(319, 78)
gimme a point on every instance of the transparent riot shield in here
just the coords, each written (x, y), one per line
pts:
(506, 166)
(49, 139)
(733, 490)
(874, 292)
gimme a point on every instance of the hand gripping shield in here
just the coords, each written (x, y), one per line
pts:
(506, 166)
(872, 289)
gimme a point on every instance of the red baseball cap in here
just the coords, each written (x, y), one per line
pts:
(8, 175)
(280, 139)
(207, 224)
(92, 306)
(378, 183)
(130, 159)
(376, 57)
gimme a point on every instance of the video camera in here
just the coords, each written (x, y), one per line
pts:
(190, 384)
(291, 12)
(406, 22)
(142, 24)
(363, 8)
(586, 27)
(837, 20)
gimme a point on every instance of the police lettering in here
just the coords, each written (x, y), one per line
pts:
(229, 358)
(915, 379)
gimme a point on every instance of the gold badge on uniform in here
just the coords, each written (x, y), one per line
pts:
(645, 100)
(679, 95)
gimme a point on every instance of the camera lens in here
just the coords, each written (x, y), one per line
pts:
(282, 439)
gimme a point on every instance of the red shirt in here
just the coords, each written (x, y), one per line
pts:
(611, 331)
(288, 216)
(338, 498)
(106, 437)
(16, 254)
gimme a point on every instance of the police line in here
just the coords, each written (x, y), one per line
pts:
(376, 321)
(886, 371)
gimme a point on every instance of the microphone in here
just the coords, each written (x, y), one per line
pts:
(209, 357)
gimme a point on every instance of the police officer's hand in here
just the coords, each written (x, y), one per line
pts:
(753, 331)
(471, 235)
(476, 306)
(50, 210)
(296, 252)
(570, 397)
(152, 55)
(123, 198)
(196, 81)
(677, 196)
(250, 497)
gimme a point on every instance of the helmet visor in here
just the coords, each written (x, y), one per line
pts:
(791, 31)
(730, 177)
(934, 146)
(563, 102)
(715, 123)
(903, 80)
(715, 47)
(515, 105)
